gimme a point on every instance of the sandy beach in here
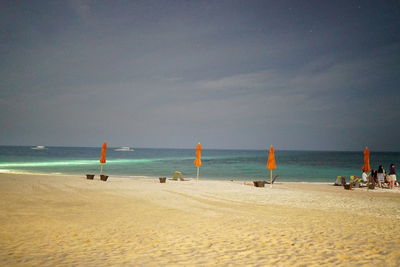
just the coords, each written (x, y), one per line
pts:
(55, 220)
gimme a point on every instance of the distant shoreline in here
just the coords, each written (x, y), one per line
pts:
(152, 177)
(193, 179)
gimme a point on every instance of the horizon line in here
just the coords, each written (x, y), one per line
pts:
(193, 148)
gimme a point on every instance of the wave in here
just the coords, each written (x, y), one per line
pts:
(71, 163)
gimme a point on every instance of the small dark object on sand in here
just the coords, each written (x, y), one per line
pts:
(371, 186)
(90, 176)
(346, 185)
(103, 177)
(259, 183)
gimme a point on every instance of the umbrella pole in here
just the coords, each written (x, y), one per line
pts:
(198, 169)
(101, 169)
(270, 178)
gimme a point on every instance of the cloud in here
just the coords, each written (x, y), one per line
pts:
(154, 72)
(321, 76)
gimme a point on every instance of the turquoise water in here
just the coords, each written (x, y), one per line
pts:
(308, 166)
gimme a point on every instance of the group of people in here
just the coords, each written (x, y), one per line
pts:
(379, 177)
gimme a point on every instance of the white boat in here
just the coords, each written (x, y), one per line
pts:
(124, 148)
(39, 147)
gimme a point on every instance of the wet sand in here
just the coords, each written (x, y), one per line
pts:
(54, 220)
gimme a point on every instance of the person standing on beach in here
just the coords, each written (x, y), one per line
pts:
(364, 177)
(370, 177)
(392, 175)
(381, 176)
(375, 176)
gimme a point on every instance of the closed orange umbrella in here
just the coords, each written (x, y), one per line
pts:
(366, 167)
(197, 161)
(271, 164)
(103, 156)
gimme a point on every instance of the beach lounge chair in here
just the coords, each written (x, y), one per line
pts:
(355, 181)
(177, 175)
(346, 185)
(273, 179)
(262, 183)
(338, 181)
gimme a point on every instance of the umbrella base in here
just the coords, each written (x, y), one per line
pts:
(371, 186)
(348, 186)
(103, 177)
(259, 183)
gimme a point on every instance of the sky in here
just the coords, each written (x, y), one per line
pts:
(299, 75)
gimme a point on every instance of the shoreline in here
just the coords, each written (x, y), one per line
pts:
(244, 182)
(6, 171)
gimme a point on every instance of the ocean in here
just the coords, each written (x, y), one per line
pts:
(306, 166)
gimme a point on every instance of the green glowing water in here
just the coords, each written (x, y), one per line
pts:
(219, 164)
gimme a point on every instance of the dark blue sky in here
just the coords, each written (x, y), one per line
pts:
(317, 75)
